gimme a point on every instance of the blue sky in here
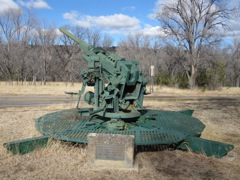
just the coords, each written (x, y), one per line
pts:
(116, 17)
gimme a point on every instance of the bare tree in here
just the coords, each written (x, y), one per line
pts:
(15, 32)
(8, 27)
(94, 37)
(45, 37)
(107, 41)
(141, 48)
(233, 64)
(69, 54)
(192, 25)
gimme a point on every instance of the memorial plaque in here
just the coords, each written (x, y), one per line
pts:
(110, 150)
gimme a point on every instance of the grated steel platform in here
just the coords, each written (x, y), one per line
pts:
(153, 127)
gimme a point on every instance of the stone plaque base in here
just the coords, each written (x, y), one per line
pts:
(110, 151)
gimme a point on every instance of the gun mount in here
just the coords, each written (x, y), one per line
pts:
(118, 109)
(122, 97)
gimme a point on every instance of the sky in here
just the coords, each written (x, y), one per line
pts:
(116, 17)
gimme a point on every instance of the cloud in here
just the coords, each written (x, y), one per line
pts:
(7, 4)
(58, 32)
(129, 8)
(77, 20)
(233, 3)
(158, 7)
(152, 31)
(116, 23)
(38, 4)
(234, 29)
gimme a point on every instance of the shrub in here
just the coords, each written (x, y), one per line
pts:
(178, 80)
(213, 77)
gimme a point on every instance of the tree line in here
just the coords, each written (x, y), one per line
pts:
(190, 53)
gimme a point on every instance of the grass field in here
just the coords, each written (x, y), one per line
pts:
(58, 88)
(64, 161)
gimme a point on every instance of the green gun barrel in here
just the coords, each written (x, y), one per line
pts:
(95, 52)
(81, 43)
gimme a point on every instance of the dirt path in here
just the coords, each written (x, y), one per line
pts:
(33, 100)
(43, 100)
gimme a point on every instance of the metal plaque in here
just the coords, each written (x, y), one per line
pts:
(110, 152)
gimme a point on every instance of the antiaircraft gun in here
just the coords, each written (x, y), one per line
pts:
(122, 98)
(117, 108)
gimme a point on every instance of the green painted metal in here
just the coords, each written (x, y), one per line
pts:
(187, 112)
(153, 127)
(117, 108)
(25, 146)
(206, 147)
(122, 97)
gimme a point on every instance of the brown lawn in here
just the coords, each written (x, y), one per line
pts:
(65, 161)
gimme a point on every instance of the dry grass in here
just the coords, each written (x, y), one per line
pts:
(65, 161)
(51, 88)
(224, 91)
(58, 88)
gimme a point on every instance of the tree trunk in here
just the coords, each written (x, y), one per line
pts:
(192, 78)
(71, 80)
(34, 80)
(238, 82)
(44, 81)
